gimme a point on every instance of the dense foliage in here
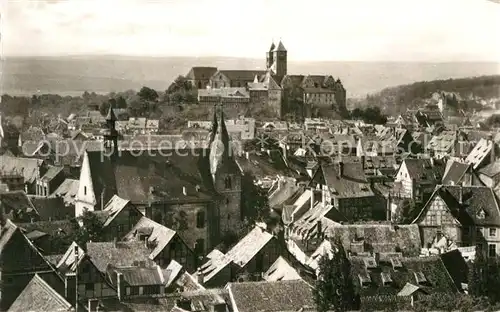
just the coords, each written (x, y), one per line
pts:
(397, 99)
(255, 204)
(334, 289)
(90, 229)
(484, 277)
(370, 115)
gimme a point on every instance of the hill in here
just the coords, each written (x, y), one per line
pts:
(463, 93)
(102, 74)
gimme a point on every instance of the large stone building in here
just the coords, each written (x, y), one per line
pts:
(196, 192)
(298, 95)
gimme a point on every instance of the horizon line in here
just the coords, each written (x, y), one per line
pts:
(90, 55)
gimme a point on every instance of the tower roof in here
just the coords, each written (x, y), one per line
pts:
(280, 47)
(111, 114)
(272, 47)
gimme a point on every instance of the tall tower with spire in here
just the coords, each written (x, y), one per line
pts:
(280, 60)
(225, 174)
(109, 133)
(269, 56)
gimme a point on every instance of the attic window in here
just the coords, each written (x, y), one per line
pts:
(420, 278)
(481, 214)
(370, 263)
(396, 263)
(386, 278)
(364, 280)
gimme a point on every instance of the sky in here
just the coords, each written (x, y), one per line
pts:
(312, 30)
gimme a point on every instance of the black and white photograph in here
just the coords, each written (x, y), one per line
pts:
(249, 156)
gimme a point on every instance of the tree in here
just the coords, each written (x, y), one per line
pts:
(334, 287)
(407, 211)
(121, 102)
(148, 94)
(484, 277)
(90, 229)
(254, 199)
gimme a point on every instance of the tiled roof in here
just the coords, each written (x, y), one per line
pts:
(67, 190)
(444, 142)
(479, 153)
(262, 164)
(201, 72)
(123, 254)
(141, 276)
(351, 184)
(455, 172)
(15, 201)
(133, 177)
(113, 208)
(225, 92)
(431, 268)
(50, 208)
(39, 296)
(468, 204)
(281, 270)
(378, 237)
(271, 296)
(51, 173)
(27, 167)
(491, 170)
(240, 254)
(425, 169)
(247, 75)
(160, 235)
(306, 225)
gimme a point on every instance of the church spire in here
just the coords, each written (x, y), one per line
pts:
(220, 147)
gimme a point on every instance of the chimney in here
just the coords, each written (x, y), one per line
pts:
(114, 242)
(319, 229)
(119, 286)
(341, 168)
(312, 198)
(200, 277)
(460, 195)
(184, 191)
(362, 160)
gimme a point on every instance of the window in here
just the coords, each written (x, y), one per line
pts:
(141, 290)
(493, 232)
(492, 250)
(479, 232)
(134, 291)
(84, 190)
(89, 286)
(127, 291)
(200, 219)
(227, 182)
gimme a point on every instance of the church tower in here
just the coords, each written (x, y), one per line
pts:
(110, 134)
(225, 174)
(269, 56)
(280, 60)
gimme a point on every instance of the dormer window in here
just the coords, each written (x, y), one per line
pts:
(364, 280)
(481, 214)
(420, 278)
(370, 263)
(386, 278)
(396, 263)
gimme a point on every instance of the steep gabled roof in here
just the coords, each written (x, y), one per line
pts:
(455, 172)
(39, 296)
(469, 205)
(352, 183)
(201, 72)
(160, 235)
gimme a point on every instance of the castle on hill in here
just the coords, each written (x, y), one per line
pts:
(282, 93)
